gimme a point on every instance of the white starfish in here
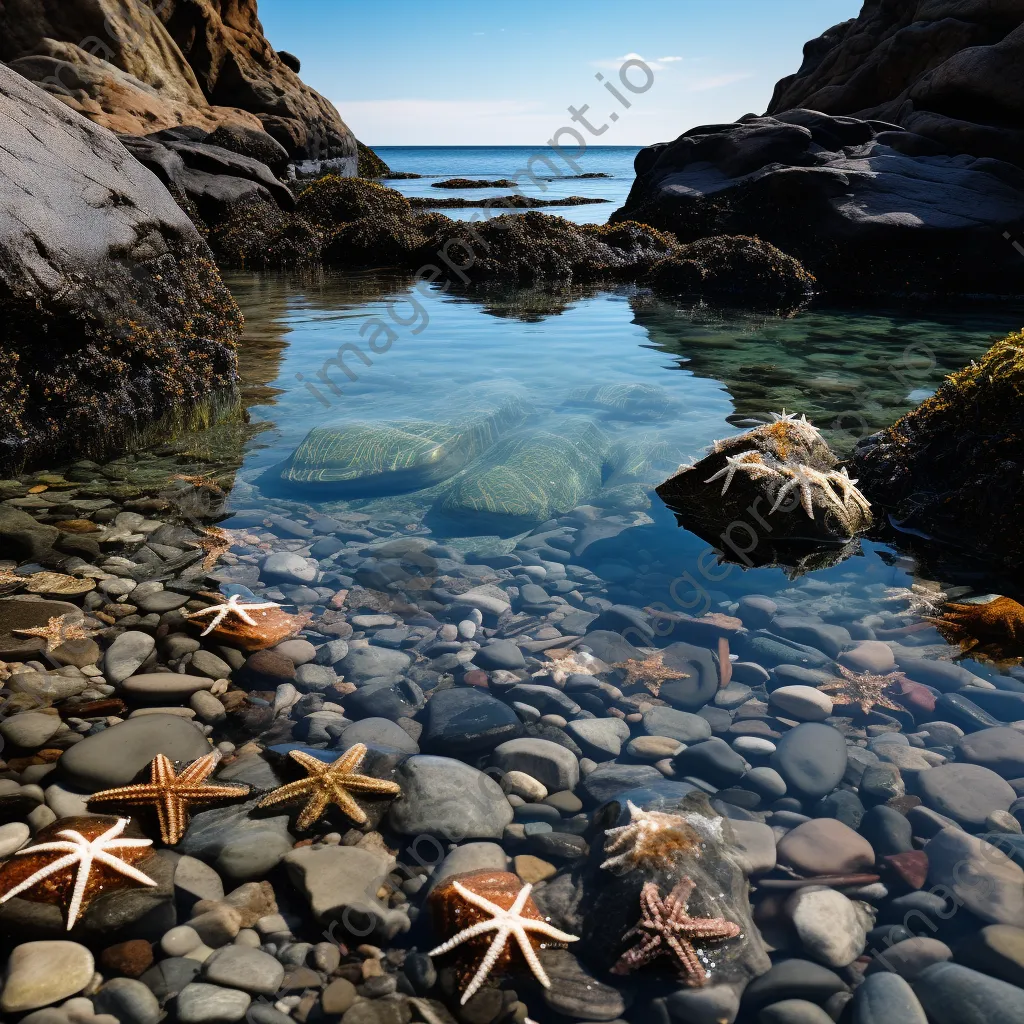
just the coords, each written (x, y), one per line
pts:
(806, 479)
(628, 843)
(750, 462)
(222, 611)
(504, 923)
(849, 488)
(802, 424)
(920, 599)
(81, 850)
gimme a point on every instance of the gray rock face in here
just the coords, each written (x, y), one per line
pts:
(199, 1003)
(341, 883)
(441, 796)
(811, 758)
(128, 1000)
(910, 212)
(363, 663)
(467, 721)
(89, 237)
(885, 997)
(115, 756)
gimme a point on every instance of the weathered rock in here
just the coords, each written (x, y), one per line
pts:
(41, 973)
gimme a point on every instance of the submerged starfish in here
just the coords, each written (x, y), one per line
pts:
(656, 839)
(864, 689)
(505, 924)
(56, 632)
(651, 672)
(749, 462)
(91, 855)
(919, 598)
(665, 928)
(172, 794)
(331, 783)
(233, 607)
(565, 662)
(202, 483)
(805, 479)
(215, 542)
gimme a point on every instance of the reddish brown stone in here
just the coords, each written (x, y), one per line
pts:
(130, 958)
(476, 677)
(911, 867)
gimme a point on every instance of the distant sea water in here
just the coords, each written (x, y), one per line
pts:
(436, 163)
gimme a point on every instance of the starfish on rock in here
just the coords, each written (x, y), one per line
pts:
(748, 462)
(565, 662)
(864, 689)
(842, 480)
(251, 625)
(665, 928)
(172, 794)
(215, 542)
(331, 783)
(655, 839)
(650, 672)
(233, 606)
(520, 919)
(803, 425)
(56, 632)
(805, 479)
(87, 868)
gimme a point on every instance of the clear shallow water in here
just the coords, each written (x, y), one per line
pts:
(717, 370)
(481, 162)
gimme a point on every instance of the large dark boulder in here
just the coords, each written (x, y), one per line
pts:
(865, 206)
(112, 307)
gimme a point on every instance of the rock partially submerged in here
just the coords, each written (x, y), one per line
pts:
(113, 307)
(953, 469)
(767, 494)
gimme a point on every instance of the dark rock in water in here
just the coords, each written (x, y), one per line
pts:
(793, 1011)
(811, 758)
(698, 663)
(553, 765)
(967, 793)
(678, 725)
(607, 781)
(386, 700)
(713, 761)
(887, 997)
(887, 831)
(625, 619)
(997, 950)
(837, 193)
(937, 471)
(577, 994)
(465, 722)
(791, 979)
(961, 710)
(499, 654)
(1001, 750)
(952, 994)
(135, 259)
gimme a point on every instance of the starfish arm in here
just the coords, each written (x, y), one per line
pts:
(199, 770)
(694, 971)
(543, 928)
(123, 868)
(478, 901)
(45, 872)
(314, 809)
(486, 965)
(480, 928)
(348, 806)
(531, 957)
(780, 497)
(171, 815)
(368, 784)
(217, 620)
(78, 894)
(712, 928)
(49, 848)
(351, 759)
(127, 844)
(289, 791)
(313, 765)
(140, 794)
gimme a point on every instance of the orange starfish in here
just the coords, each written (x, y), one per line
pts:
(864, 689)
(650, 672)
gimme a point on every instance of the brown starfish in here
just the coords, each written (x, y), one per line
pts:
(331, 783)
(201, 483)
(172, 794)
(215, 542)
(651, 672)
(993, 629)
(56, 632)
(666, 929)
(864, 689)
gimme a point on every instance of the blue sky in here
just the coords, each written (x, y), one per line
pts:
(449, 72)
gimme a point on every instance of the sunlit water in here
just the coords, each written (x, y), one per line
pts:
(523, 164)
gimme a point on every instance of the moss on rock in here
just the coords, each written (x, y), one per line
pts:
(370, 165)
(954, 467)
(257, 234)
(333, 200)
(381, 240)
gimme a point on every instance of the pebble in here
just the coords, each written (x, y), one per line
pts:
(599, 738)
(869, 656)
(180, 940)
(251, 970)
(13, 836)
(41, 973)
(811, 758)
(830, 929)
(825, 846)
(983, 878)
(200, 1003)
(953, 994)
(165, 687)
(805, 703)
(677, 725)
(466, 721)
(364, 663)
(911, 956)
(30, 729)
(130, 1001)
(886, 997)
(554, 766)
(499, 654)
(1000, 750)
(967, 793)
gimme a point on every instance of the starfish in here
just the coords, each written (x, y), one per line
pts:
(806, 479)
(215, 543)
(651, 672)
(56, 632)
(849, 488)
(201, 483)
(666, 929)
(331, 783)
(172, 794)
(233, 607)
(505, 923)
(919, 598)
(803, 424)
(993, 628)
(749, 462)
(656, 839)
(89, 848)
(864, 689)
(565, 662)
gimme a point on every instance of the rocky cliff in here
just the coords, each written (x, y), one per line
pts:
(113, 309)
(141, 66)
(890, 164)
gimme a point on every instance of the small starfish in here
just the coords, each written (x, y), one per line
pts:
(919, 598)
(849, 488)
(201, 483)
(749, 462)
(56, 632)
(504, 923)
(651, 672)
(233, 607)
(215, 542)
(864, 689)
(565, 662)
(666, 929)
(803, 424)
(331, 783)
(90, 854)
(172, 794)
(654, 838)
(806, 479)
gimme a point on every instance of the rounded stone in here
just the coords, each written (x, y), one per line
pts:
(884, 998)
(805, 703)
(830, 929)
(165, 687)
(499, 654)
(42, 973)
(811, 758)
(967, 793)
(128, 1000)
(126, 655)
(29, 729)
(207, 664)
(952, 994)
(1001, 750)
(677, 725)
(869, 656)
(199, 1003)
(251, 970)
(825, 846)
(13, 837)
(553, 765)
(465, 721)
(363, 663)
(116, 755)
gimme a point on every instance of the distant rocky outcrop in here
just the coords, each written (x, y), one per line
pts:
(113, 309)
(891, 163)
(138, 68)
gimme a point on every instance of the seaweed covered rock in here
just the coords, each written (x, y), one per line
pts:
(370, 165)
(257, 145)
(114, 310)
(332, 200)
(734, 265)
(378, 240)
(255, 233)
(774, 488)
(953, 469)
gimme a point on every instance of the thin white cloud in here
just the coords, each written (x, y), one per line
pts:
(717, 81)
(616, 63)
(668, 60)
